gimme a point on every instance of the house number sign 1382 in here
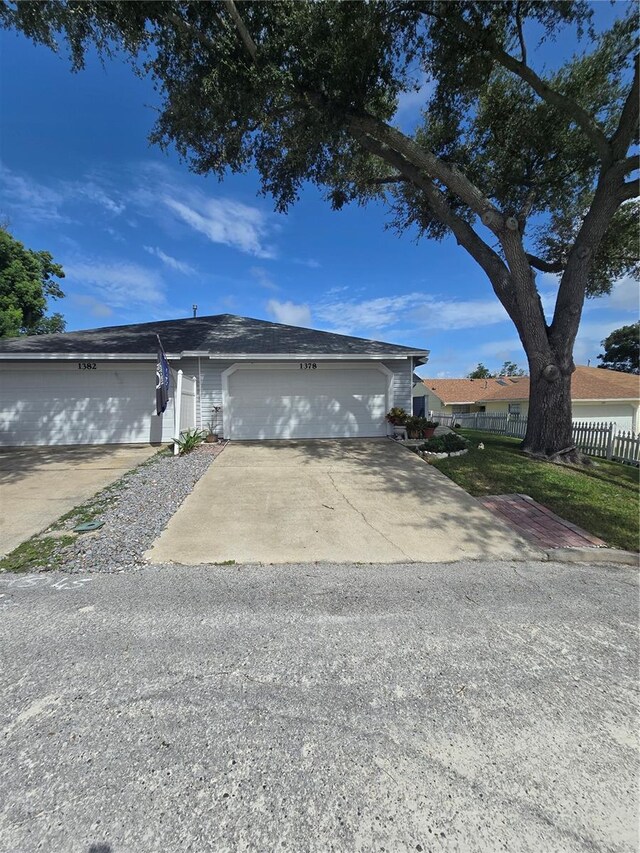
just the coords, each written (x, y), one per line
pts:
(308, 365)
(87, 365)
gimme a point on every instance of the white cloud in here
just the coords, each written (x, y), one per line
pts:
(119, 284)
(93, 305)
(307, 262)
(289, 313)
(263, 278)
(30, 199)
(223, 220)
(173, 263)
(95, 193)
(624, 296)
(44, 202)
(591, 333)
(151, 190)
(427, 312)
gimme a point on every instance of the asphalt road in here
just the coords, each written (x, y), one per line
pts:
(460, 707)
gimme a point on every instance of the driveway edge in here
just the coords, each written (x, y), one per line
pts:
(593, 555)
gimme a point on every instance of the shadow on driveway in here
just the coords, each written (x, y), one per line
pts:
(370, 501)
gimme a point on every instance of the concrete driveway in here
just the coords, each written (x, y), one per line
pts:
(334, 501)
(39, 484)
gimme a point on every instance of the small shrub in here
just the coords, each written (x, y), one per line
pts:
(190, 439)
(449, 443)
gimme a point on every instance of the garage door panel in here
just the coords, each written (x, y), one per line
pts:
(620, 413)
(322, 403)
(60, 404)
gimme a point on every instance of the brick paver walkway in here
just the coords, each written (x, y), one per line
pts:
(538, 524)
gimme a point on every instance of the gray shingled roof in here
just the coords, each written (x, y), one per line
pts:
(220, 333)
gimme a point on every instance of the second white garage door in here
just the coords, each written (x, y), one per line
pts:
(315, 402)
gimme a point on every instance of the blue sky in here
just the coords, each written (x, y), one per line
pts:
(141, 238)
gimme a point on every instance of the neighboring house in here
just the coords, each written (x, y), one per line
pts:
(596, 394)
(254, 380)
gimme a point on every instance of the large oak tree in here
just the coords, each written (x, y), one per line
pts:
(531, 170)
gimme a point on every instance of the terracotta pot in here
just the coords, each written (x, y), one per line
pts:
(429, 432)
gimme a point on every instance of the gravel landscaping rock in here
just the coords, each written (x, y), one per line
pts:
(134, 511)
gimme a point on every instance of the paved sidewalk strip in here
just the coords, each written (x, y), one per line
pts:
(539, 524)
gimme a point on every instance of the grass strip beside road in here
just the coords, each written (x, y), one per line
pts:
(603, 499)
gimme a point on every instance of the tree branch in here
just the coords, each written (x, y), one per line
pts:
(398, 179)
(524, 212)
(426, 161)
(564, 103)
(545, 266)
(628, 124)
(481, 252)
(242, 30)
(629, 190)
(205, 41)
(523, 48)
(571, 293)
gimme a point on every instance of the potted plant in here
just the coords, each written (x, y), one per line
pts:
(211, 437)
(419, 427)
(397, 416)
(428, 428)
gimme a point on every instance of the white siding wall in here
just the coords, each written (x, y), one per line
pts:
(402, 382)
(501, 407)
(209, 375)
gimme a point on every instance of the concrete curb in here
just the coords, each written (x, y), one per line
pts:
(593, 555)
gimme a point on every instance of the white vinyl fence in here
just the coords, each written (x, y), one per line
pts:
(594, 439)
(184, 405)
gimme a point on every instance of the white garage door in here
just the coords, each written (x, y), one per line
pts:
(62, 403)
(620, 413)
(317, 402)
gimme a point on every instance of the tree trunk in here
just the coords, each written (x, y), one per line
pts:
(549, 422)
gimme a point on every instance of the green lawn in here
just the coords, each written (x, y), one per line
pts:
(603, 499)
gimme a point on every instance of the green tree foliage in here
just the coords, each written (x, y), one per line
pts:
(622, 349)
(480, 372)
(530, 170)
(26, 284)
(510, 368)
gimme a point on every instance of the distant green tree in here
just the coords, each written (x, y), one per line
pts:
(510, 368)
(622, 349)
(481, 372)
(26, 284)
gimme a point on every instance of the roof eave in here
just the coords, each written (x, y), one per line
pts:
(221, 356)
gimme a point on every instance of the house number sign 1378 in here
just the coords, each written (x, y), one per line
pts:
(308, 365)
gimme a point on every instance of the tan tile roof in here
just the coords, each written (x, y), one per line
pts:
(587, 383)
(460, 390)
